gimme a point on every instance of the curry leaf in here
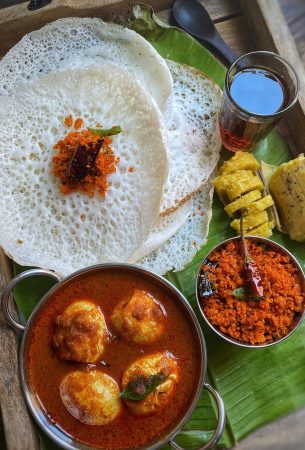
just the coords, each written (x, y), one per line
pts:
(141, 387)
(244, 293)
(106, 131)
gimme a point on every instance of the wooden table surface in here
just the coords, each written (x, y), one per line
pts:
(294, 12)
(285, 434)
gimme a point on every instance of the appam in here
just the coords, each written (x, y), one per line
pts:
(41, 227)
(187, 98)
(76, 42)
(180, 249)
(193, 139)
(165, 227)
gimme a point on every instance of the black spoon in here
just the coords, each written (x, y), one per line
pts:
(192, 17)
(37, 4)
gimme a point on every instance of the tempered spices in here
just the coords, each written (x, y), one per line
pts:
(253, 321)
(83, 161)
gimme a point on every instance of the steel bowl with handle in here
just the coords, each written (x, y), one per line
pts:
(56, 433)
(276, 247)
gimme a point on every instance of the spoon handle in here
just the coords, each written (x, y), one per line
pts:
(37, 4)
(242, 236)
(218, 46)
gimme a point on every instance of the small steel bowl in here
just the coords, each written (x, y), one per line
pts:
(278, 248)
(54, 432)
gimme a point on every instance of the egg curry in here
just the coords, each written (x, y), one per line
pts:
(112, 360)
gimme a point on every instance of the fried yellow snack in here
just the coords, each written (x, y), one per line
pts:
(250, 221)
(260, 205)
(242, 202)
(237, 180)
(241, 187)
(241, 160)
(264, 230)
(287, 186)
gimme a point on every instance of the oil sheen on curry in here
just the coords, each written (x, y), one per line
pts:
(112, 359)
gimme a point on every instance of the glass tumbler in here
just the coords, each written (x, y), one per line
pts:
(244, 118)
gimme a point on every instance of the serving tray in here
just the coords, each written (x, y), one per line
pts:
(14, 23)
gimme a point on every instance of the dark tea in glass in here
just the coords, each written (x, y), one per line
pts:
(260, 87)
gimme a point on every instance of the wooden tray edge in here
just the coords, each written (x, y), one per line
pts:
(266, 21)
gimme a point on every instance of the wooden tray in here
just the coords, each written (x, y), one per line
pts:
(246, 26)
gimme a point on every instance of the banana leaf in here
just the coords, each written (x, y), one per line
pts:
(258, 385)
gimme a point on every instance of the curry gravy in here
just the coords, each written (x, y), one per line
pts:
(45, 371)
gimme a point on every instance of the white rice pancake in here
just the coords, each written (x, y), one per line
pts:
(39, 225)
(194, 139)
(181, 248)
(164, 229)
(76, 42)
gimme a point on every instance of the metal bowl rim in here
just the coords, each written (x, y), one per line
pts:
(226, 337)
(161, 282)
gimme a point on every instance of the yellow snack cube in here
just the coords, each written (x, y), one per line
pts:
(242, 202)
(250, 221)
(264, 230)
(241, 187)
(260, 205)
(241, 160)
(225, 183)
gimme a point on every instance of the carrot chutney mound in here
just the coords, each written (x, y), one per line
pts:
(258, 321)
(91, 157)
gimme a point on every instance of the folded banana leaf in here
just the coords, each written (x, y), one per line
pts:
(258, 385)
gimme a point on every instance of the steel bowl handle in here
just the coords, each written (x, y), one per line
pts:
(8, 290)
(221, 422)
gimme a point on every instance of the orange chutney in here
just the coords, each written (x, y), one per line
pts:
(45, 370)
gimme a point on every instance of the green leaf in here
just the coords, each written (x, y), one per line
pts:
(141, 387)
(106, 131)
(244, 293)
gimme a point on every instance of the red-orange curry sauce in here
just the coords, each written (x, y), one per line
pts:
(45, 371)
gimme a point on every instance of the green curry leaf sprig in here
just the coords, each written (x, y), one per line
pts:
(140, 387)
(245, 293)
(103, 132)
